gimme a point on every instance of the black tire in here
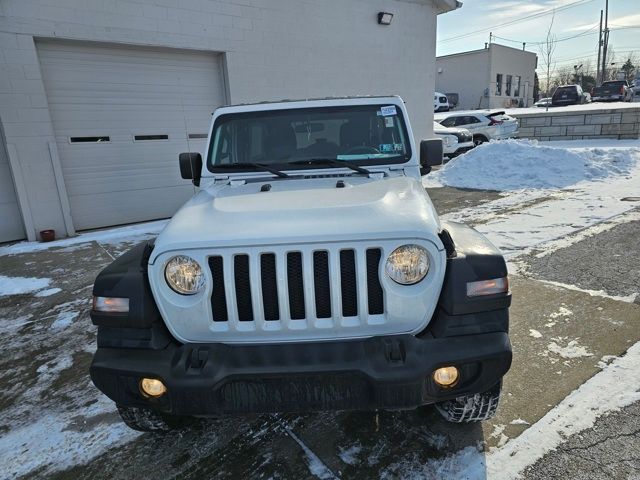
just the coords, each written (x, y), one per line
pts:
(471, 408)
(144, 419)
(478, 140)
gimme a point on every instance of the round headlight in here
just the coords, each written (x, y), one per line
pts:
(408, 264)
(184, 275)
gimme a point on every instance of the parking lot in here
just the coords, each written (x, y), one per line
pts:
(575, 308)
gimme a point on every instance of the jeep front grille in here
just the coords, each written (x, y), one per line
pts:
(320, 285)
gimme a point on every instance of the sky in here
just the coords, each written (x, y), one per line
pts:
(573, 18)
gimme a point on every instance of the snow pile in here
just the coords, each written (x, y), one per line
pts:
(519, 164)
(21, 285)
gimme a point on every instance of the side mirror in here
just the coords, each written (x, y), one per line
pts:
(191, 166)
(431, 153)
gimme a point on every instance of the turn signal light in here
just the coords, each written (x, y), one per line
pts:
(152, 387)
(446, 376)
(488, 287)
(110, 304)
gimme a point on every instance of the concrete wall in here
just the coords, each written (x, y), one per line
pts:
(273, 49)
(466, 74)
(471, 74)
(614, 123)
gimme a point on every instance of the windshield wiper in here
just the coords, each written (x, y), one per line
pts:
(261, 166)
(332, 162)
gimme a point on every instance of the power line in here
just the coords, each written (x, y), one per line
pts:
(519, 20)
(586, 32)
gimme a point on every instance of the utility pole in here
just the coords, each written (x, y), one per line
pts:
(598, 80)
(606, 40)
(490, 37)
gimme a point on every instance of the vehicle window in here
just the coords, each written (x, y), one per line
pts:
(461, 121)
(449, 122)
(499, 84)
(371, 133)
(508, 89)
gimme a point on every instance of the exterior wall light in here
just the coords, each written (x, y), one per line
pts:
(384, 18)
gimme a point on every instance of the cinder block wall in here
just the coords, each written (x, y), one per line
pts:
(614, 123)
(273, 49)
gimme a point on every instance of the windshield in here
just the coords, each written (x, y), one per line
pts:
(364, 135)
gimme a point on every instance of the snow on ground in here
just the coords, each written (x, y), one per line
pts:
(520, 164)
(587, 184)
(577, 412)
(569, 351)
(108, 236)
(50, 442)
(21, 285)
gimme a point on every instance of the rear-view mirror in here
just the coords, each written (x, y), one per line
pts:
(191, 166)
(431, 153)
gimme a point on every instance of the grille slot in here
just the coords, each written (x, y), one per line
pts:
(269, 286)
(349, 283)
(322, 284)
(296, 285)
(374, 288)
(243, 287)
(218, 296)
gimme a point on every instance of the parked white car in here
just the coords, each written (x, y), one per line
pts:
(440, 102)
(455, 141)
(484, 125)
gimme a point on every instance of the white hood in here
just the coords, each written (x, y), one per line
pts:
(299, 211)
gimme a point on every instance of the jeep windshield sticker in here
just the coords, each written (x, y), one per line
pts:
(391, 148)
(387, 111)
(388, 122)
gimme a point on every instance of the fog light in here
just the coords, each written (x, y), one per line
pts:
(446, 376)
(152, 387)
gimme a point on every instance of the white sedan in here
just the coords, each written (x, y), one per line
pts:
(455, 141)
(484, 125)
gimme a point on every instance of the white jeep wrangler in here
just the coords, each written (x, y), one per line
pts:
(310, 272)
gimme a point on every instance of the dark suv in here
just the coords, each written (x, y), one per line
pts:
(568, 95)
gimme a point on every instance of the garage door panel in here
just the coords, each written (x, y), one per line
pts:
(11, 226)
(120, 92)
(97, 210)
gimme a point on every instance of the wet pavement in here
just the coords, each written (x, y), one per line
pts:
(53, 422)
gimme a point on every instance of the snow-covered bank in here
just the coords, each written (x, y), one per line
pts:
(557, 199)
(528, 164)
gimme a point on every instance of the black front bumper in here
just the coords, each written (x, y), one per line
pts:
(375, 373)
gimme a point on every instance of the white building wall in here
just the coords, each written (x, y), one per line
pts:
(473, 76)
(514, 62)
(273, 49)
(466, 74)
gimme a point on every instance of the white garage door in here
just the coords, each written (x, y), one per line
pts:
(11, 226)
(121, 116)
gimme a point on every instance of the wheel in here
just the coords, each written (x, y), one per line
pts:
(471, 408)
(478, 140)
(144, 419)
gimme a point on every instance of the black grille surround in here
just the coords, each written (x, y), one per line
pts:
(273, 291)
